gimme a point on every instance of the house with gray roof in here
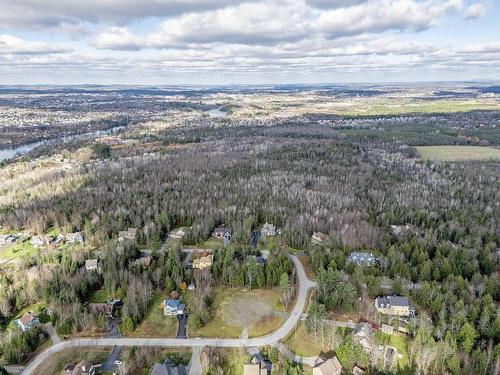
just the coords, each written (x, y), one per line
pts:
(394, 305)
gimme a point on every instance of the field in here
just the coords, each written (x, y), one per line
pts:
(260, 310)
(458, 153)
(58, 361)
(155, 324)
(304, 344)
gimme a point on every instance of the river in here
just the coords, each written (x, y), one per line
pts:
(9, 153)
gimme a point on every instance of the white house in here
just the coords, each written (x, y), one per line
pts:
(173, 307)
(91, 265)
(268, 230)
(27, 321)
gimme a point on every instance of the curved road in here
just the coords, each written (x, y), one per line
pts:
(304, 285)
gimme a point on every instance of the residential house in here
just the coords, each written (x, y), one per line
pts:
(362, 259)
(106, 309)
(144, 261)
(363, 336)
(27, 321)
(173, 307)
(254, 368)
(394, 305)
(41, 240)
(268, 230)
(357, 371)
(328, 367)
(8, 239)
(386, 328)
(178, 233)
(91, 265)
(203, 262)
(59, 239)
(82, 368)
(75, 237)
(168, 368)
(318, 238)
(222, 232)
(127, 235)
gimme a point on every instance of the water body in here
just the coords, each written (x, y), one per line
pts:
(217, 113)
(9, 153)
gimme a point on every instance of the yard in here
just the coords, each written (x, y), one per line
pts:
(458, 153)
(260, 310)
(58, 361)
(37, 309)
(212, 243)
(304, 344)
(9, 252)
(155, 324)
(99, 296)
(397, 341)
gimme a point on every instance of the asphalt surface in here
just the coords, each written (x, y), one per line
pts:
(181, 331)
(304, 285)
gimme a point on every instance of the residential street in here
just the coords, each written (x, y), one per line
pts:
(304, 285)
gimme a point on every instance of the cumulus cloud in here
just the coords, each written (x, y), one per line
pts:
(384, 15)
(16, 46)
(61, 13)
(474, 11)
(233, 40)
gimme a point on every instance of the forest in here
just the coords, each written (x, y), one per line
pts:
(353, 184)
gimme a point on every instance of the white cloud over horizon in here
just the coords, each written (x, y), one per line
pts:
(243, 41)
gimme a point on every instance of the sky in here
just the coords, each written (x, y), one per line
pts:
(161, 42)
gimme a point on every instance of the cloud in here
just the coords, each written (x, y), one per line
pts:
(475, 11)
(332, 4)
(119, 38)
(377, 16)
(36, 14)
(16, 46)
(279, 21)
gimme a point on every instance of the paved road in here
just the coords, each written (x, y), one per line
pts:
(304, 285)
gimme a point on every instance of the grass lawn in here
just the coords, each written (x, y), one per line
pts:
(212, 243)
(233, 361)
(155, 324)
(457, 153)
(17, 250)
(397, 341)
(268, 243)
(58, 361)
(260, 310)
(304, 344)
(99, 296)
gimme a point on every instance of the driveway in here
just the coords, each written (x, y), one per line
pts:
(304, 285)
(195, 364)
(114, 332)
(181, 332)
